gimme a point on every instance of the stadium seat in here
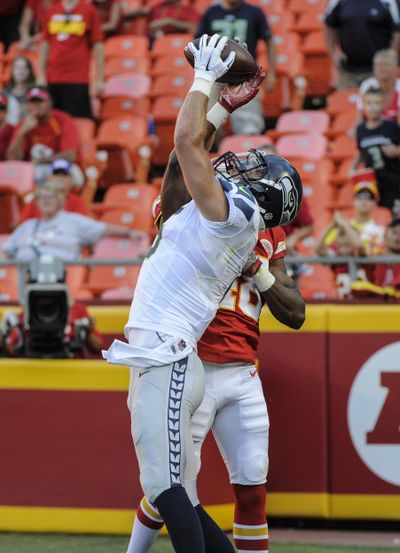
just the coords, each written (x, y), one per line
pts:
(171, 85)
(137, 198)
(342, 100)
(128, 132)
(172, 44)
(302, 6)
(314, 171)
(303, 121)
(308, 22)
(318, 65)
(130, 85)
(281, 21)
(242, 143)
(17, 176)
(343, 147)
(317, 282)
(126, 45)
(343, 123)
(342, 173)
(139, 220)
(103, 278)
(87, 149)
(304, 146)
(120, 107)
(118, 66)
(165, 111)
(8, 284)
(121, 248)
(171, 65)
(344, 197)
(75, 279)
(319, 195)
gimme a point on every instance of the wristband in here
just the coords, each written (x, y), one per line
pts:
(217, 115)
(202, 85)
(263, 278)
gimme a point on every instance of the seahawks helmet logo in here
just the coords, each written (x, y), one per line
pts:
(290, 200)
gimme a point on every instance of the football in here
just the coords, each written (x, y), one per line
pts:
(244, 65)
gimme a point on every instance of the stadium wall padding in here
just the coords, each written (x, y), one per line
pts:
(67, 462)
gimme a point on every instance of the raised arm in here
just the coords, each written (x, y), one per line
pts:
(191, 129)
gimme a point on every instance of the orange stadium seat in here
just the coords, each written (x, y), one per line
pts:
(75, 279)
(165, 112)
(17, 176)
(344, 197)
(342, 100)
(343, 123)
(120, 248)
(242, 143)
(303, 121)
(317, 283)
(127, 131)
(172, 44)
(118, 66)
(319, 194)
(270, 6)
(140, 220)
(87, 149)
(137, 198)
(8, 284)
(342, 173)
(108, 277)
(120, 107)
(301, 6)
(281, 21)
(126, 45)
(314, 171)
(305, 146)
(131, 85)
(317, 63)
(343, 147)
(171, 65)
(171, 85)
(308, 22)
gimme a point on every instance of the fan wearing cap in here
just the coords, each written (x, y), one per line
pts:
(378, 142)
(6, 130)
(364, 234)
(61, 177)
(45, 134)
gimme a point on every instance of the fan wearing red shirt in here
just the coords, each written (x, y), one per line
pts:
(72, 30)
(62, 178)
(6, 130)
(168, 17)
(45, 134)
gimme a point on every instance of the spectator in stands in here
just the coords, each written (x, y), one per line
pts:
(362, 233)
(389, 275)
(32, 22)
(384, 77)
(167, 17)
(57, 232)
(6, 130)
(10, 14)
(72, 30)
(111, 16)
(355, 32)
(22, 79)
(44, 135)
(236, 18)
(61, 177)
(378, 142)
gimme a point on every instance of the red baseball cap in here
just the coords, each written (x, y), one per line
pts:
(38, 93)
(365, 181)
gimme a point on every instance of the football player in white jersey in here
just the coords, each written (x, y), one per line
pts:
(198, 253)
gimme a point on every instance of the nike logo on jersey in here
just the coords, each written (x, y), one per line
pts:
(142, 373)
(253, 373)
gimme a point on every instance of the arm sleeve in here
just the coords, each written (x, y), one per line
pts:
(263, 30)
(89, 230)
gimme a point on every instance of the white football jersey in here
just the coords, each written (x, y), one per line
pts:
(191, 265)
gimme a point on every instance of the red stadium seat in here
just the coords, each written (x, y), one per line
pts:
(303, 121)
(120, 107)
(301, 6)
(304, 146)
(308, 22)
(317, 283)
(127, 45)
(342, 100)
(121, 248)
(171, 85)
(136, 220)
(343, 123)
(172, 44)
(171, 65)
(87, 148)
(130, 85)
(165, 112)
(17, 176)
(109, 277)
(314, 171)
(8, 284)
(128, 132)
(343, 147)
(239, 143)
(118, 66)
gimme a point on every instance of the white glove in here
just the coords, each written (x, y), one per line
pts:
(258, 270)
(208, 64)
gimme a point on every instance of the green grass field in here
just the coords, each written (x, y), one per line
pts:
(33, 543)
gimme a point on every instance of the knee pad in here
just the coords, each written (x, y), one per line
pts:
(252, 471)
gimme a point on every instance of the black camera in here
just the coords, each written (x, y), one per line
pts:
(47, 304)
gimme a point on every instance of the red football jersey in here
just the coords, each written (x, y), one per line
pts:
(233, 335)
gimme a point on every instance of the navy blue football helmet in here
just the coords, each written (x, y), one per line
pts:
(272, 179)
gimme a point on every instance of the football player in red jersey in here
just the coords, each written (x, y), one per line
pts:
(234, 406)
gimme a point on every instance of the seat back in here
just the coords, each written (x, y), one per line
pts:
(303, 146)
(131, 85)
(303, 121)
(17, 176)
(108, 277)
(242, 143)
(126, 45)
(173, 44)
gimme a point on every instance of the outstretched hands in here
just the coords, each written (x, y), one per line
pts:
(208, 63)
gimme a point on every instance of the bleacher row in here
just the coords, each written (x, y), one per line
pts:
(141, 82)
